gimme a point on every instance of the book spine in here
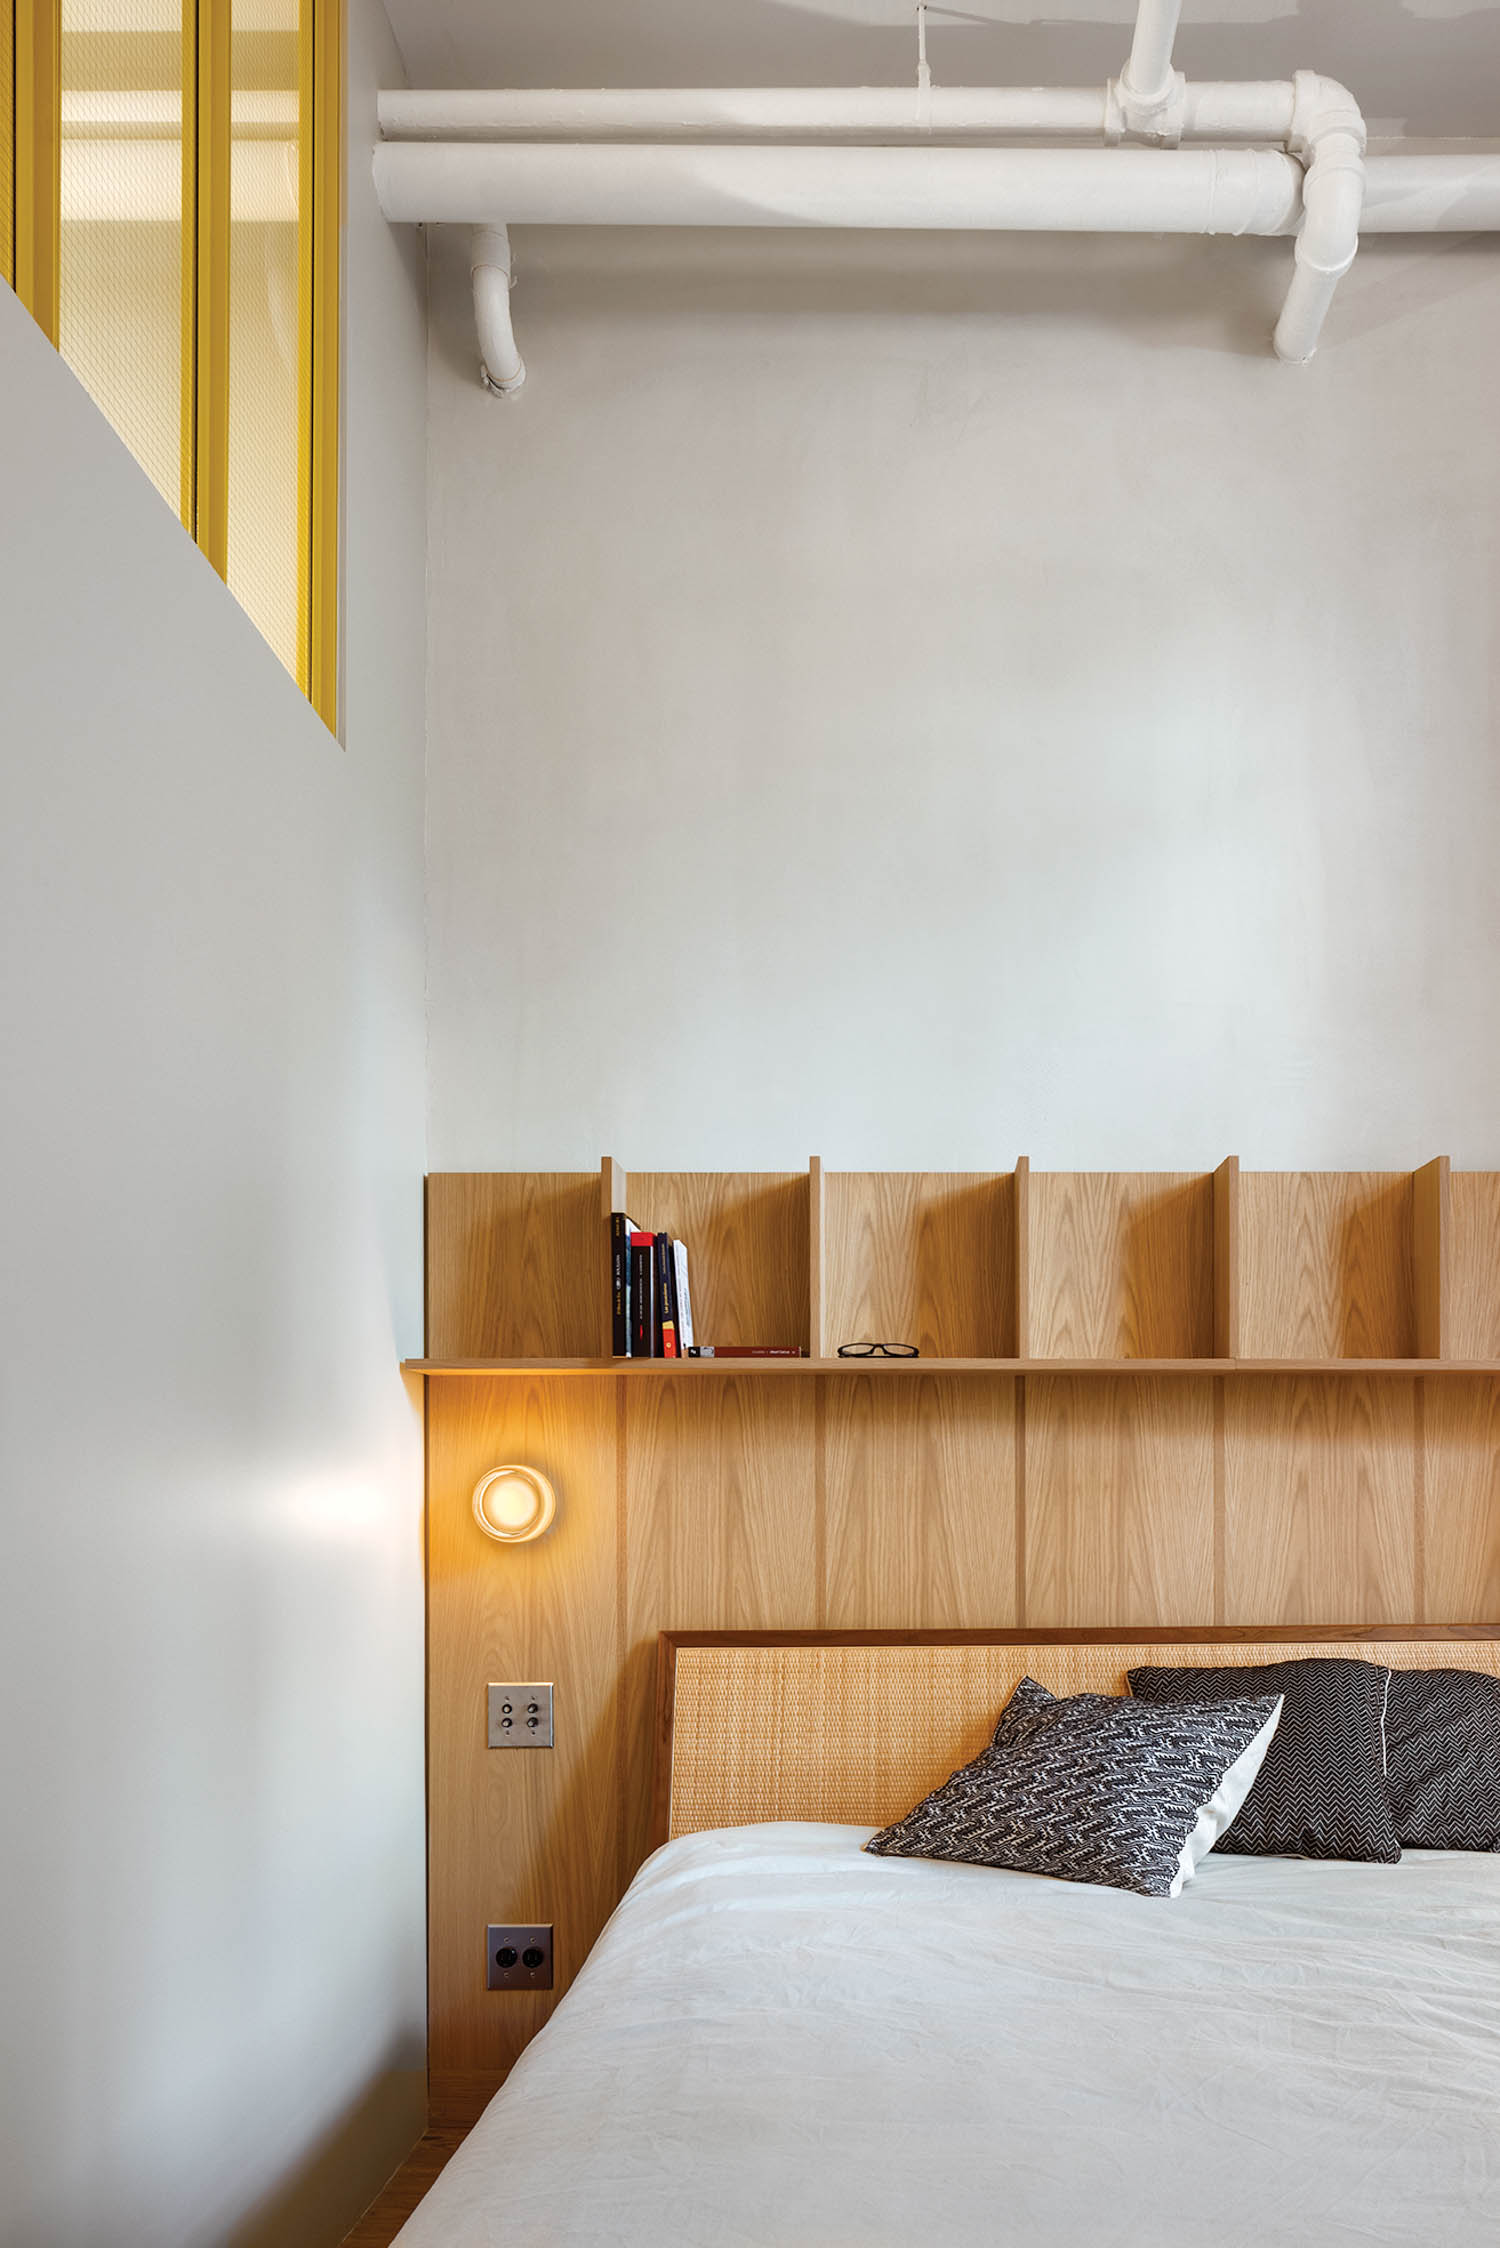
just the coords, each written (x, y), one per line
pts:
(750, 1350)
(619, 1281)
(666, 1296)
(684, 1300)
(643, 1295)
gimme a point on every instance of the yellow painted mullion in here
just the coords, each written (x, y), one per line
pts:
(321, 208)
(187, 506)
(211, 326)
(307, 84)
(8, 141)
(38, 158)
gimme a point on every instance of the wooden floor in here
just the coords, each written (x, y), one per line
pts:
(389, 2211)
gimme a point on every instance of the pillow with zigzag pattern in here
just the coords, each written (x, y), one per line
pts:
(1094, 1788)
(1321, 1791)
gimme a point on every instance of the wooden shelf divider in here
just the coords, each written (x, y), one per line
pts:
(817, 1262)
(1471, 1265)
(1227, 1258)
(614, 1188)
(1022, 1230)
(1431, 1232)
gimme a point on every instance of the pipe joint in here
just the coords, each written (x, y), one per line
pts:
(1157, 117)
(1322, 107)
(502, 370)
(1333, 204)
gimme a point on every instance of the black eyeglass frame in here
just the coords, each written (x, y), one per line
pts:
(879, 1350)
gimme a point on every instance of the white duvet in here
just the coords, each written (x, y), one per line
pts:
(780, 2042)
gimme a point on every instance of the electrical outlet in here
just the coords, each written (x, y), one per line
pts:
(518, 1958)
(520, 1716)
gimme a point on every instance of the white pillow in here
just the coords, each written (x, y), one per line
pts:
(1217, 1814)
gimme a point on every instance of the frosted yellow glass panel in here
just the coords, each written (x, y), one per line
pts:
(120, 320)
(267, 398)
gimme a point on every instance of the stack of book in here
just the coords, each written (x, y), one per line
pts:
(651, 1308)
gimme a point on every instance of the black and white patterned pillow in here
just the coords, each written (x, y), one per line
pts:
(1094, 1788)
(1321, 1792)
(1442, 1743)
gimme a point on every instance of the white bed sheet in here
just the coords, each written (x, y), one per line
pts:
(780, 2042)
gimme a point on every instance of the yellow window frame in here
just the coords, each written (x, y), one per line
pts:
(30, 261)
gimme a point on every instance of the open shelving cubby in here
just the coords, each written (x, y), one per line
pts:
(1009, 1272)
(926, 1257)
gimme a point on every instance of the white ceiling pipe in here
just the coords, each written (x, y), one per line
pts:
(1255, 110)
(1109, 191)
(1431, 195)
(1148, 73)
(1150, 90)
(740, 113)
(1252, 111)
(501, 367)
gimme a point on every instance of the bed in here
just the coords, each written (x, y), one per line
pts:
(780, 2040)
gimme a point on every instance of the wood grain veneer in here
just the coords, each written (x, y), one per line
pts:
(747, 1237)
(1459, 1483)
(1473, 1292)
(920, 1497)
(1326, 1264)
(1119, 1501)
(817, 1262)
(719, 1526)
(1226, 1193)
(505, 1254)
(1121, 1265)
(1431, 1228)
(1320, 1500)
(533, 1835)
(920, 1257)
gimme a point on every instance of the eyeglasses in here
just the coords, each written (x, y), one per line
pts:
(879, 1350)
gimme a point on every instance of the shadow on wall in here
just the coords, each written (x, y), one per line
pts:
(332, 2186)
(1163, 294)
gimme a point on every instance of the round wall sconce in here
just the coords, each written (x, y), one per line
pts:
(513, 1504)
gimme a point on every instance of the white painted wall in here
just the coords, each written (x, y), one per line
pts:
(918, 700)
(211, 1876)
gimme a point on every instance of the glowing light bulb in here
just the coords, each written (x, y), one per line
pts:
(514, 1504)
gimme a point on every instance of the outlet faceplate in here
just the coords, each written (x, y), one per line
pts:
(518, 1958)
(520, 1716)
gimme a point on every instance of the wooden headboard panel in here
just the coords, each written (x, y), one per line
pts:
(855, 1727)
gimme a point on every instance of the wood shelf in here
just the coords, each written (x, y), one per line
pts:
(1004, 1272)
(689, 1369)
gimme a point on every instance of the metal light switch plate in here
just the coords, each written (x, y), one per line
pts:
(520, 1716)
(518, 1958)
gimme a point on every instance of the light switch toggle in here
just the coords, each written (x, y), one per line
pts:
(520, 1716)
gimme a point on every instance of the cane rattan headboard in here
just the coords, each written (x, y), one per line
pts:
(856, 1726)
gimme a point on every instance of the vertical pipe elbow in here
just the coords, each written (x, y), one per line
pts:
(1328, 134)
(501, 367)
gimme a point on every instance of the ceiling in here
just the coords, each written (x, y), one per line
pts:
(1425, 67)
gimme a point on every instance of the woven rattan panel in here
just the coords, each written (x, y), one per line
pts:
(857, 1735)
